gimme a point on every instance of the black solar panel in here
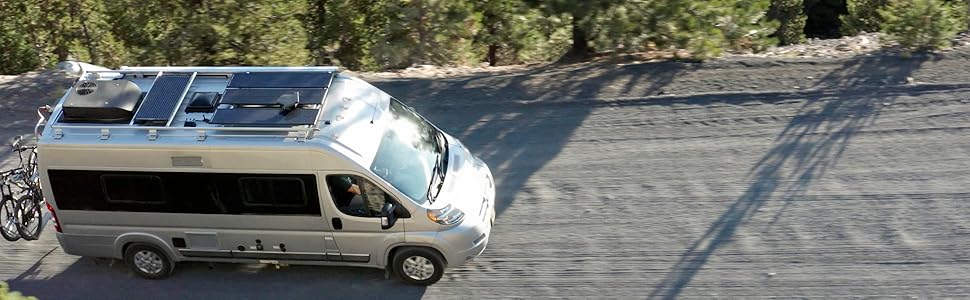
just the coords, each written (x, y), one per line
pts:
(162, 100)
(250, 96)
(264, 117)
(281, 80)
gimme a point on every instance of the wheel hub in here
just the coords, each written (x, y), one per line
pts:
(418, 268)
(148, 262)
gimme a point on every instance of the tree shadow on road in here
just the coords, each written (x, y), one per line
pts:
(846, 101)
(88, 278)
(508, 120)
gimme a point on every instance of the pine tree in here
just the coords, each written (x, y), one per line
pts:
(582, 14)
(17, 53)
(923, 24)
(863, 16)
(791, 20)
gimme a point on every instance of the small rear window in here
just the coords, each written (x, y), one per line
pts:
(140, 189)
(275, 192)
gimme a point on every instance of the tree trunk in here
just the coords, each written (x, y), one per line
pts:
(492, 55)
(422, 32)
(580, 47)
(319, 21)
(490, 21)
(89, 42)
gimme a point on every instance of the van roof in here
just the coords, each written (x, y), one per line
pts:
(234, 106)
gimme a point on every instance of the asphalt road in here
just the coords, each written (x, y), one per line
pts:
(731, 179)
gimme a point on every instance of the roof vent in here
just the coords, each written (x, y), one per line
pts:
(86, 88)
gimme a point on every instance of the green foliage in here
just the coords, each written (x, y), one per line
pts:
(17, 54)
(426, 32)
(230, 32)
(863, 16)
(706, 28)
(791, 21)
(386, 34)
(923, 24)
(583, 19)
(6, 294)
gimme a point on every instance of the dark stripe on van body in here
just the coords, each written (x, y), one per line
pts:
(187, 193)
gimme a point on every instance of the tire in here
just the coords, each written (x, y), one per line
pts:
(8, 220)
(408, 264)
(29, 218)
(148, 261)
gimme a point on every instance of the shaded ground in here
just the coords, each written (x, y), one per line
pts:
(741, 178)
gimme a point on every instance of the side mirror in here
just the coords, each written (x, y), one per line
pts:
(388, 216)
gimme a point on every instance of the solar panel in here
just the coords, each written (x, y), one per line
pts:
(251, 96)
(162, 100)
(281, 80)
(264, 117)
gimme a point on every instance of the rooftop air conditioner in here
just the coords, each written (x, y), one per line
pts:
(102, 101)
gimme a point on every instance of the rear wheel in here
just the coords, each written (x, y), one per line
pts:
(8, 219)
(419, 266)
(148, 261)
(30, 218)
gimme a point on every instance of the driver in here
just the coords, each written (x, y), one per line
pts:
(344, 189)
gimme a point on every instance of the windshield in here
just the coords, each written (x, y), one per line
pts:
(408, 153)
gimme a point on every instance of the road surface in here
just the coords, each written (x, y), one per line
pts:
(747, 178)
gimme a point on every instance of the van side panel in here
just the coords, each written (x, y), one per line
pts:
(260, 226)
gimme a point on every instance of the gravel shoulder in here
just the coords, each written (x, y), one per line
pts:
(734, 178)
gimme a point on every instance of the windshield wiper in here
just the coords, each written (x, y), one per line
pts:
(440, 165)
(435, 178)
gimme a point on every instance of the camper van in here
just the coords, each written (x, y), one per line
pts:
(271, 165)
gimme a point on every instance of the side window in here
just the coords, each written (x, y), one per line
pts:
(276, 192)
(134, 189)
(356, 196)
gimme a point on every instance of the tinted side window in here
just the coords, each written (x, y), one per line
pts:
(278, 192)
(145, 189)
(192, 193)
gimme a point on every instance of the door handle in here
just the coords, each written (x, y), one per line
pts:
(337, 224)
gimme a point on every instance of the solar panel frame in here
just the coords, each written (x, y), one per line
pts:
(257, 96)
(281, 80)
(163, 99)
(264, 117)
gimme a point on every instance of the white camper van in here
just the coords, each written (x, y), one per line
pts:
(277, 165)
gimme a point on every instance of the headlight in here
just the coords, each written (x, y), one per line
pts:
(448, 215)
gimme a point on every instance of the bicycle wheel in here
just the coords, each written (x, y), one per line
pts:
(8, 219)
(29, 217)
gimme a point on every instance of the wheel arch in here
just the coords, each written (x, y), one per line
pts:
(126, 240)
(391, 251)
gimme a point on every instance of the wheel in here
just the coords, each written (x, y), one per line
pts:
(148, 261)
(8, 219)
(29, 218)
(419, 266)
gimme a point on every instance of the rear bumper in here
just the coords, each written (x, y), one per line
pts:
(86, 245)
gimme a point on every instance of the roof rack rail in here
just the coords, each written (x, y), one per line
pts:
(125, 69)
(151, 132)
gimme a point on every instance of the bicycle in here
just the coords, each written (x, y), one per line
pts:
(22, 212)
(8, 208)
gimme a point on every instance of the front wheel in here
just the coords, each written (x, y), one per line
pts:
(30, 218)
(8, 219)
(419, 266)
